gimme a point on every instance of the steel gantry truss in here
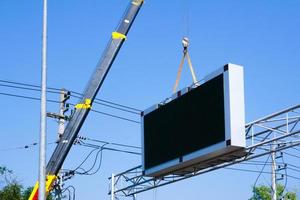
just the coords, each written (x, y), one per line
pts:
(273, 133)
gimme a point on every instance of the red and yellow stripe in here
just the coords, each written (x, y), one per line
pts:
(49, 182)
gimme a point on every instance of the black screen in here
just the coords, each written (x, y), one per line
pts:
(191, 122)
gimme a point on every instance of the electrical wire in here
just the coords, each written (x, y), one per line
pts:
(115, 116)
(295, 156)
(261, 171)
(99, 152)
(58, 91)
(28, 85)
(87, 172)
(111, 143)
(53, 101)
(286, 177)
(91, 152)
(26, 97)
(28, 146)
(248, 170)
(69, 192)
(110, 149)
(25, 88)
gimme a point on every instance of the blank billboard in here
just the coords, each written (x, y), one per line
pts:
(196, 124)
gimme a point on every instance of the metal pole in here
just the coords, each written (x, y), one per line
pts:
(112, 192)
(273, 154)
(61, 130)
(42, 158)
(61, 121)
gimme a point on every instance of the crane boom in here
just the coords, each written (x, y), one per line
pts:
(82, 109)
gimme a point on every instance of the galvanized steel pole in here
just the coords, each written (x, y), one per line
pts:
(42, 159)
(112, 193)
(273, 174)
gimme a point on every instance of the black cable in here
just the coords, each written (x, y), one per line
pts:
(53, 101)
(291, 155)
(25, 88)
(27, 97)
(286, 177)
(115, 116)
(95, 161)
(248, 170)
(261, 171)
(293, 177)
(55, 92)
(91, 152)
(296, 170)
(67, 189)
(26, 84)
(110, 149)
(25, 146)
(74, 191)
(111, 143)
(297, 167)
(72, 92)
(125, 108)
(122, 151)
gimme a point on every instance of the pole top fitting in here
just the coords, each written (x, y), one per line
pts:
(185, 42)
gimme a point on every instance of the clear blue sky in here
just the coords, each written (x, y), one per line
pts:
(263, 36)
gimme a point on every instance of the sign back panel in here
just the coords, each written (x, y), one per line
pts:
(194, 119)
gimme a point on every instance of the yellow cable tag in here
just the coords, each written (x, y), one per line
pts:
(85, 105)
(117, 35)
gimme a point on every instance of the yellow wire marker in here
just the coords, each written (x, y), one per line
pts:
(117, 35)
(85, 105)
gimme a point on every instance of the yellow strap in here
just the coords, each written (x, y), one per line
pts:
(85, 105)
(185, 55)
(191, 68)
(117, 35)
(178, 74)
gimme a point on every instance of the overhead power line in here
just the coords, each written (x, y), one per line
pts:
(26, 97)
(27, 146)
(111, 143)
(295, 156)
(103, 102)
(54, 101)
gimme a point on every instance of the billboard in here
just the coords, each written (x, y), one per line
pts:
(197, 127)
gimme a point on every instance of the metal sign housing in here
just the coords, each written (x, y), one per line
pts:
(199, 126)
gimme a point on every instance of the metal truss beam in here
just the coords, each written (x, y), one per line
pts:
(275, 132)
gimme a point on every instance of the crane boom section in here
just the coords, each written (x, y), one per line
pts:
(83, 107)
(62, 149)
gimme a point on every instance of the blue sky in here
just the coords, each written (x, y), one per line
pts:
(263, 36)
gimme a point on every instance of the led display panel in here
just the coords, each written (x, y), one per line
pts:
(195, 125)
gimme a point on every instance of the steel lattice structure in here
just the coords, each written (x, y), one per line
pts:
(273, 133)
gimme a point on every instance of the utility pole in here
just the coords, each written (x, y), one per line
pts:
(112, 193)
(273, 172)
(63, 108)
(62, 118)
(42, 150)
